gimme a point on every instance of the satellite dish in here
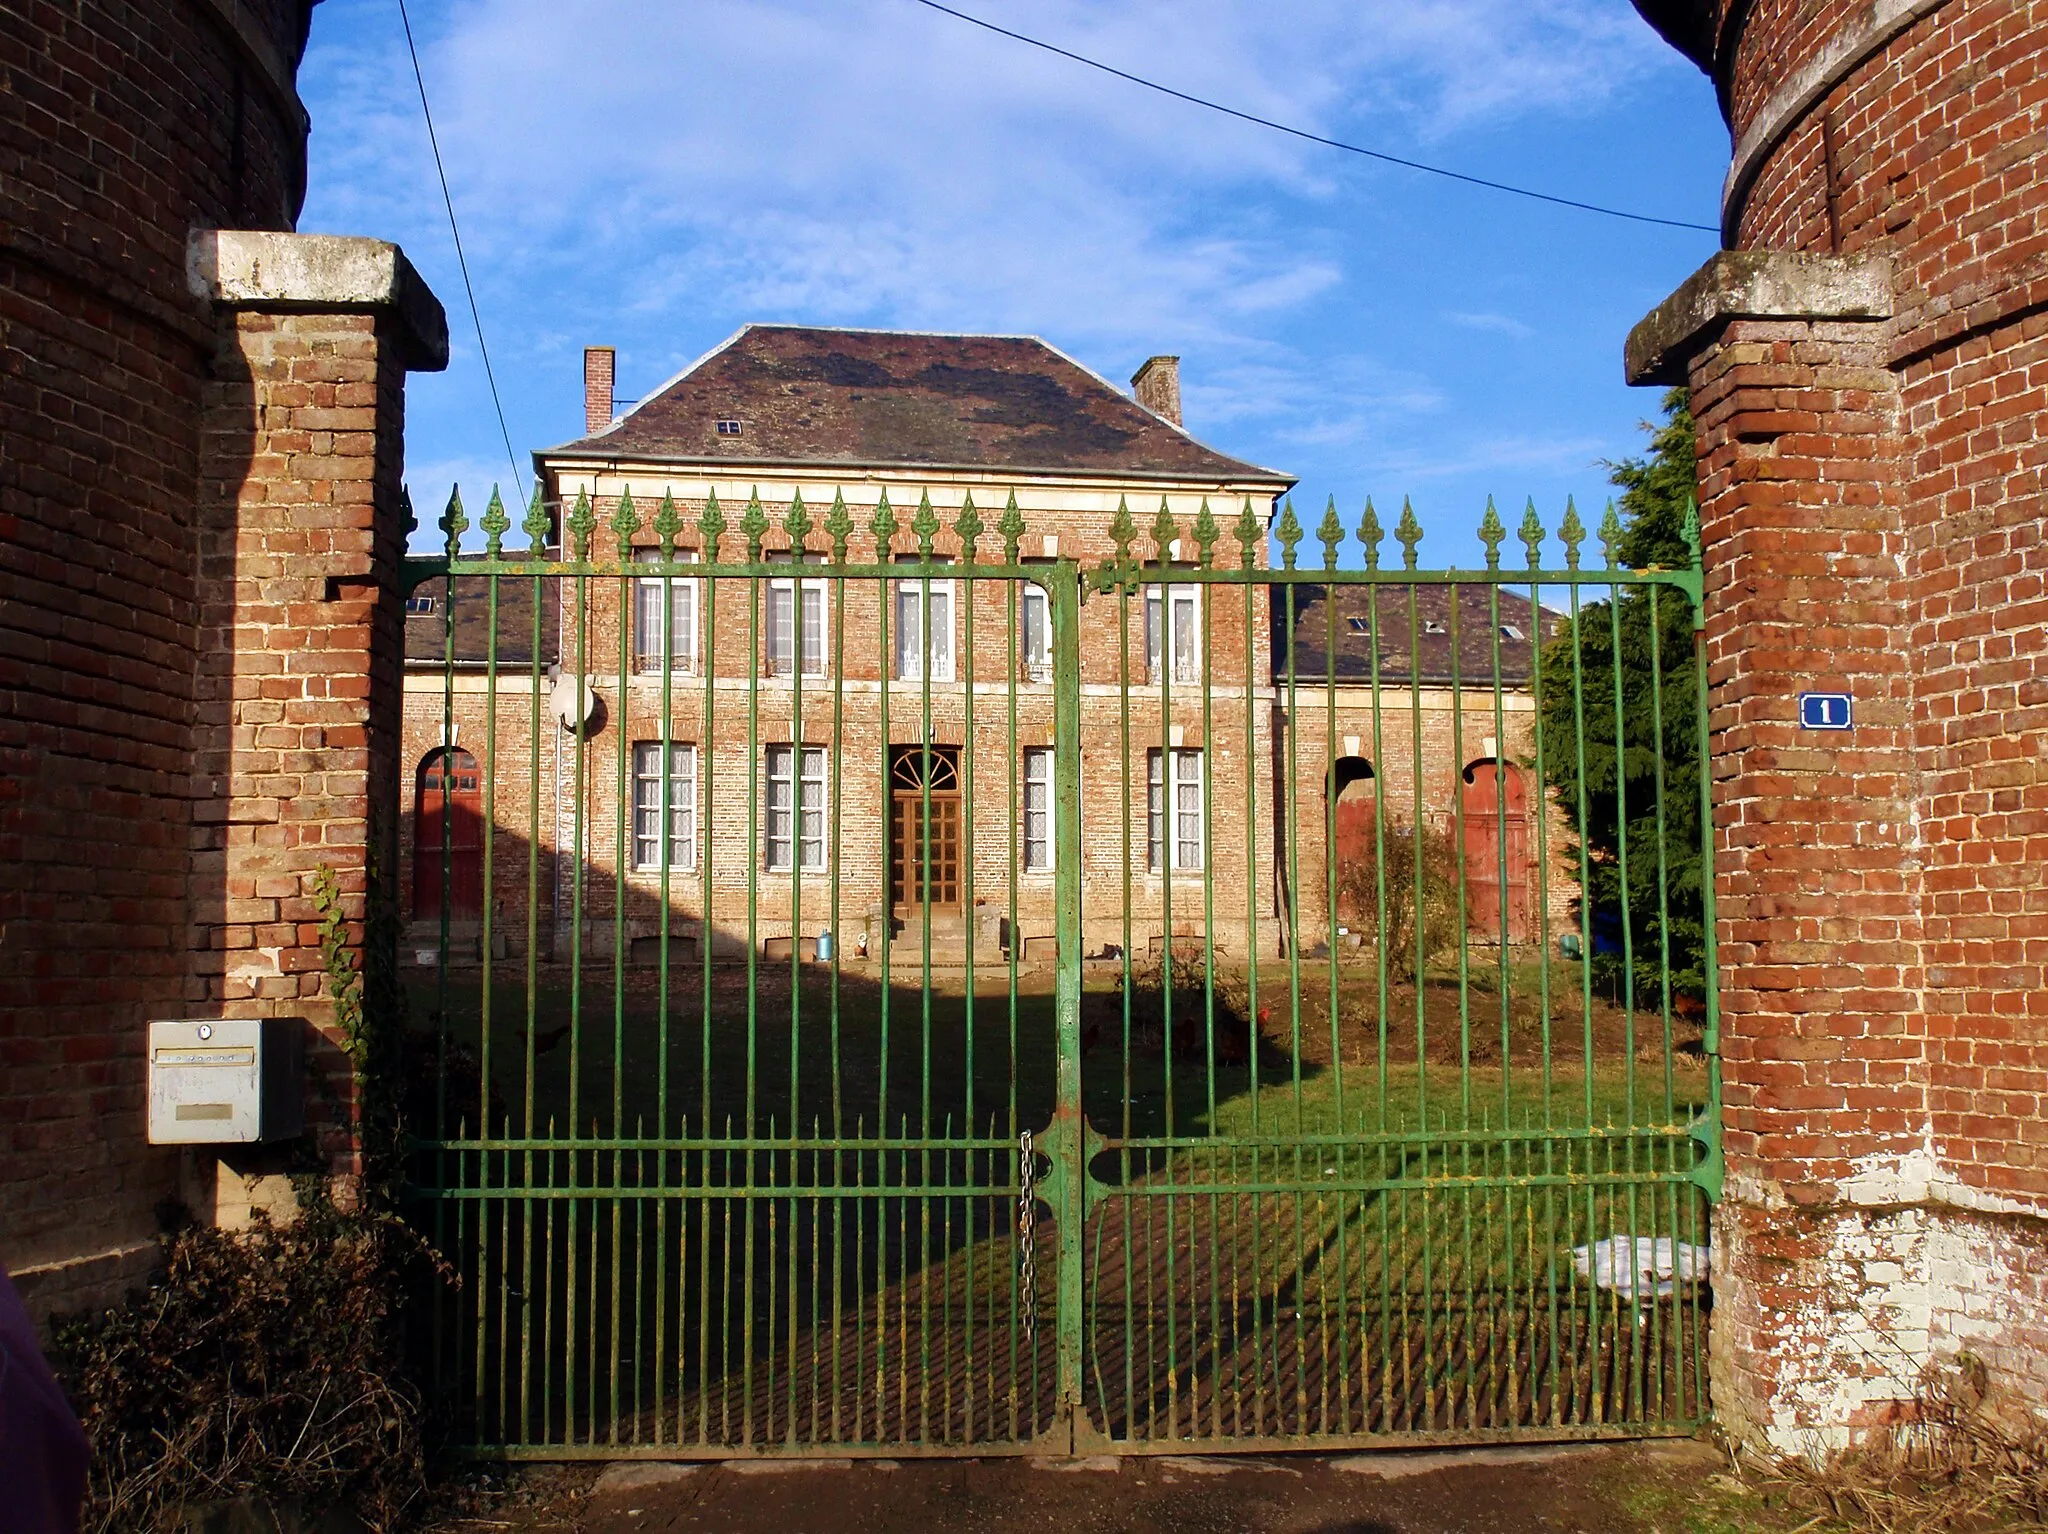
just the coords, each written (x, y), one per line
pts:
(573, 701)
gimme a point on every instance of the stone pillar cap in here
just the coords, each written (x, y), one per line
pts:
(1753, 285)
(264, 269)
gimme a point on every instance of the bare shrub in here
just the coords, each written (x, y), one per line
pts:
(1391, 928)
(1947, 1465)
(266, 1362)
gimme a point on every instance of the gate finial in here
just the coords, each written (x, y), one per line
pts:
(667, 523)
(1250, 535)
(1206, 533)
(1289, 532)
(1011, 527)
(1165, 533)
(1407, 533)
(625, 523)
(582, 523)
(1610, 534)
(838, 527)
(1573, 532)
(925, 524)
(495, 525)
(454, 523)
(711, 526)
(967, 528)
(883, 525)
(536, 526)
(754, 525)
(1492, 533)
(1331, 532)
(1531, 534)
(1370, 533)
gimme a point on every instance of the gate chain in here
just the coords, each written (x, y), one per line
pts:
(1027, 1227)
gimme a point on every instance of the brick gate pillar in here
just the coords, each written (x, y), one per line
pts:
(298, 696)
(1819, 1262)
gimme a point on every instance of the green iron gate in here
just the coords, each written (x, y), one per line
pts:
(947, 1003)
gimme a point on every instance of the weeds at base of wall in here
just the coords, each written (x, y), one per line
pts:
(266, 1362)
(1949, 1467)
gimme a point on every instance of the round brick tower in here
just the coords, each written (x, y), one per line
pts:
(1868, 365)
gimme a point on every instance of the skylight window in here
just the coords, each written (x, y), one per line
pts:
(419, 604)
(728, 428)
(1510, 631)
(1357, 625)
(1431, 626)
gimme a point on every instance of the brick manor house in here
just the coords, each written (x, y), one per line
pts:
(772, 703)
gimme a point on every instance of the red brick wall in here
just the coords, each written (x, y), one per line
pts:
(296, 742)
(117, 133)
(1873, 520)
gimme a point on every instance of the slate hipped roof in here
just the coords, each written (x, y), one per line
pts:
(1432, 661)
(426, 634)
(862, 399)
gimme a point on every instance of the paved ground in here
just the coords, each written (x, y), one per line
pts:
(1599, 1490)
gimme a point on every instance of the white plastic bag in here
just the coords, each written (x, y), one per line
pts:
(1642, 1267)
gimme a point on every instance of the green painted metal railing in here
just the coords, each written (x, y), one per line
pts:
(1093, 1127)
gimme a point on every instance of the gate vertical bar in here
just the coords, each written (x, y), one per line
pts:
(1067, 1138)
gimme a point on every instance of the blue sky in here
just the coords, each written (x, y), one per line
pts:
(652, 176)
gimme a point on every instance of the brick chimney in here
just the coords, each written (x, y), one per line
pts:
(1157, 387)
(598, 362)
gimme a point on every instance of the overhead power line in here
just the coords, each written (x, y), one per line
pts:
(460, 260)
(1316, 138)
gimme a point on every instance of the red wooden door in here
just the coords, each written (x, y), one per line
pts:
(1495, 807)
(1354, 850)
(448, 785)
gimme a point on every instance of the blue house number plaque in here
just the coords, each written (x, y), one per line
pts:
(1824, 711)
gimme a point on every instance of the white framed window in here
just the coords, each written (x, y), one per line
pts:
(1038, 809)
(664, 617)
(796, 621)
(1173, 810)
(1036, 621)
(680, 784)
(915, 650)
(1173, 628)
(796, 808)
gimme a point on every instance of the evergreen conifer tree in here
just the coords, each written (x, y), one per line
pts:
(1656, 702)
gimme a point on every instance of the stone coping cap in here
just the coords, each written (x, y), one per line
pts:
(1753, 285)
(263, 269)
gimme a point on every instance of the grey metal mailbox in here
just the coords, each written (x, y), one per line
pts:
(234, 1081)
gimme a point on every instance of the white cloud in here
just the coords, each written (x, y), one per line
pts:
(1502, 324)
(875, 160)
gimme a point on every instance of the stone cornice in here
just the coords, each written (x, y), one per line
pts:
(1753, 284)
(258, 269)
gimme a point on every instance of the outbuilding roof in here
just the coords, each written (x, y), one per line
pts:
(796, 395)
(1429, 657)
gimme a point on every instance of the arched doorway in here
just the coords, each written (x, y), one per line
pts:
(1354, 792)
(915, 774)
(1494, 805)
(448, 785)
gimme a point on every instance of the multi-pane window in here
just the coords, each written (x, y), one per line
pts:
(796, 621)
(919, 645)
(796, 807)
(1037, 625)
(651, 790)
(1173, 627)
(664, 617)
(1038, 809)
(1173, 809)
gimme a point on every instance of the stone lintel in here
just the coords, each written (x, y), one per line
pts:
(1753, 285)
(331, 273)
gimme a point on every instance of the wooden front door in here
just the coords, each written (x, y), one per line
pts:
(1496, 815)
(919, 775)
(448, 785)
